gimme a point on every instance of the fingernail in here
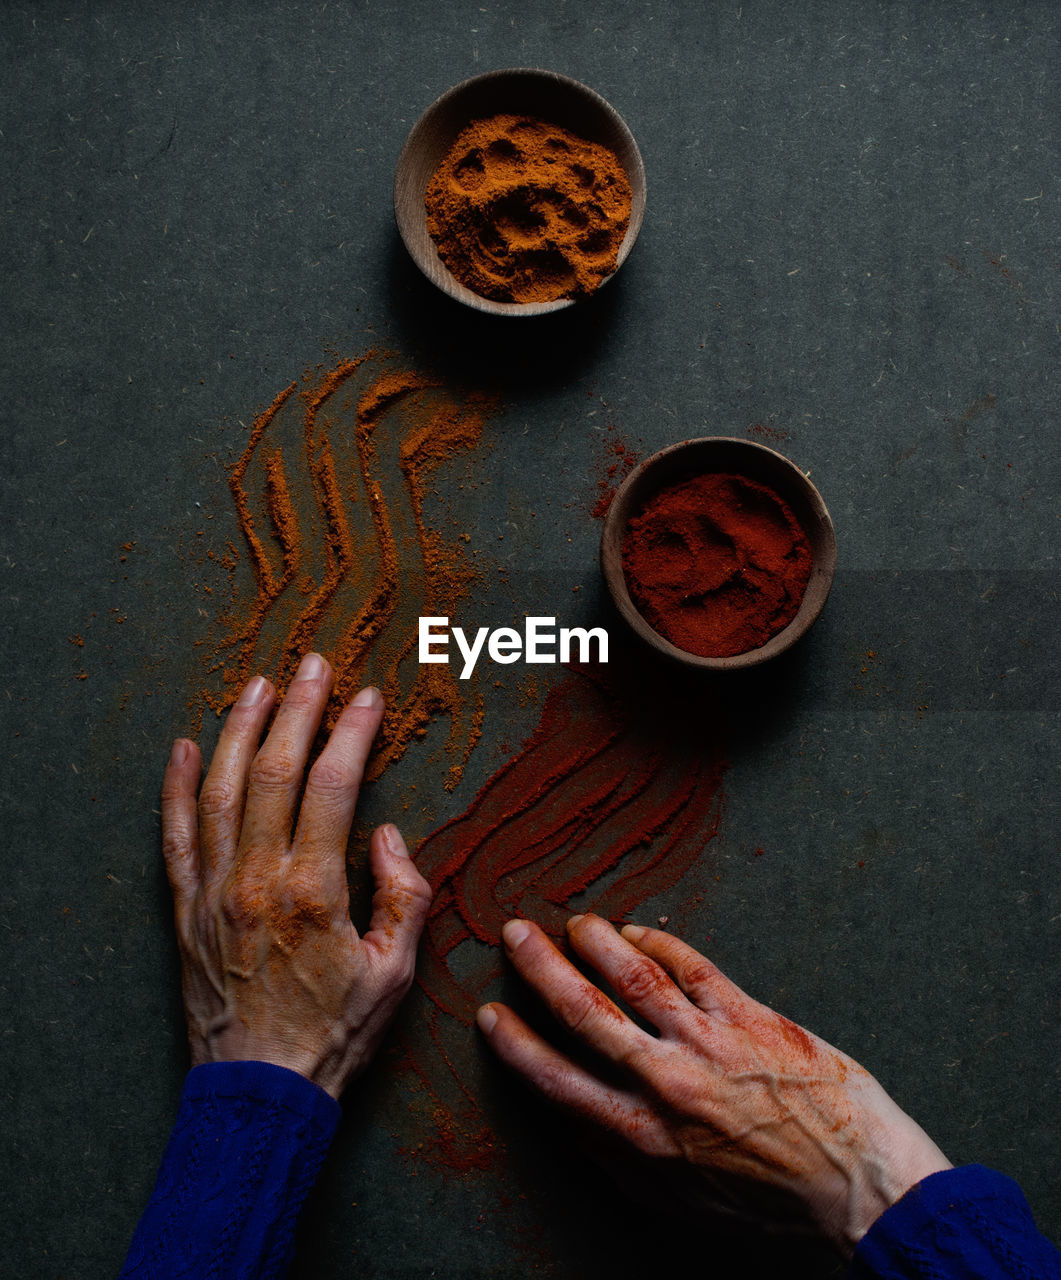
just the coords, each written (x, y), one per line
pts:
(392, 838)
(369, 697)
(486, 1018)
(514, 933)
(310, 668)
(253, 693)
(180, 751)
(633, 932)
(573, 921)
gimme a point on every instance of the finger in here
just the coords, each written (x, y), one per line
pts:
(224, 791)
(573, 999)
(705, 984)
(327, 810)
(399, 907)
(560, 1080)
(180, 823)
(276, 774)
(634, 976)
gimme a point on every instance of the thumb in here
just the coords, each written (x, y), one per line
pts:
(399, 905)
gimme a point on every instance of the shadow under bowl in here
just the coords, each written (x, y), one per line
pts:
(515, 91)
(721, 454)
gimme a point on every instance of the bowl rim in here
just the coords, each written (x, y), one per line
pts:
(426, 256)
(638, 485)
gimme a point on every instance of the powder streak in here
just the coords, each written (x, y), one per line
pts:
(335, 572)
(611, 801)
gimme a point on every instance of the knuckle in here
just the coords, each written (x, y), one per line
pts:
(273, 771)
(242, 904)
(419, 891)
(574, 1009)
(174, 788)
(334, 777)
(699, 978)
(697, 973)
(302, 695)
(404, 895)
(641, 980)
(219, 798)
(176, 843)
(302, 889)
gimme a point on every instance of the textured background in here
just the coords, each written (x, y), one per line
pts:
(851, 240)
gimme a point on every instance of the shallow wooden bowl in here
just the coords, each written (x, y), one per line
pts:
(738, 457)
(517, 91)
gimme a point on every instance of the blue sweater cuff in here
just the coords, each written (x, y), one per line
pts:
(969, 1223)
(248, 1142)
(264, 1082)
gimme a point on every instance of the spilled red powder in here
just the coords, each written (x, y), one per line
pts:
(764, 431)
(455, 1147)
(614, 796)
(619, 460)
(612, 800)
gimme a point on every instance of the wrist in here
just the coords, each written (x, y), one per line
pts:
(326, 1067)
(897, 1157)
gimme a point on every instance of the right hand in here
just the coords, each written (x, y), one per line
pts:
(770, 1122)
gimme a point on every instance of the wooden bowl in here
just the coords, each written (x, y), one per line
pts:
(517, 91)
(737, 457)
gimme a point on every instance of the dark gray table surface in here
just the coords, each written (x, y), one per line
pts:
(851, 247)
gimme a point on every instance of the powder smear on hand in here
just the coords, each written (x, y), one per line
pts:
(522, 210)
(717, 564)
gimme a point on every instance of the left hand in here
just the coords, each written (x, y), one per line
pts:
(749, 1113)
(273, 969)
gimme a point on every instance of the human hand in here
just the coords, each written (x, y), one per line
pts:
(273, 970)
(764, 1119)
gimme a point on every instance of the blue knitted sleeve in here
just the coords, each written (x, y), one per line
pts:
(968, 1223)
(246, 1147)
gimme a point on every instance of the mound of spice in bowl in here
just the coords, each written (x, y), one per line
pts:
(717, 564)
(522, 210)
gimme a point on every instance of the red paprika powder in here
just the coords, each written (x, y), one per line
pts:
(614, 797)
(717, 564)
